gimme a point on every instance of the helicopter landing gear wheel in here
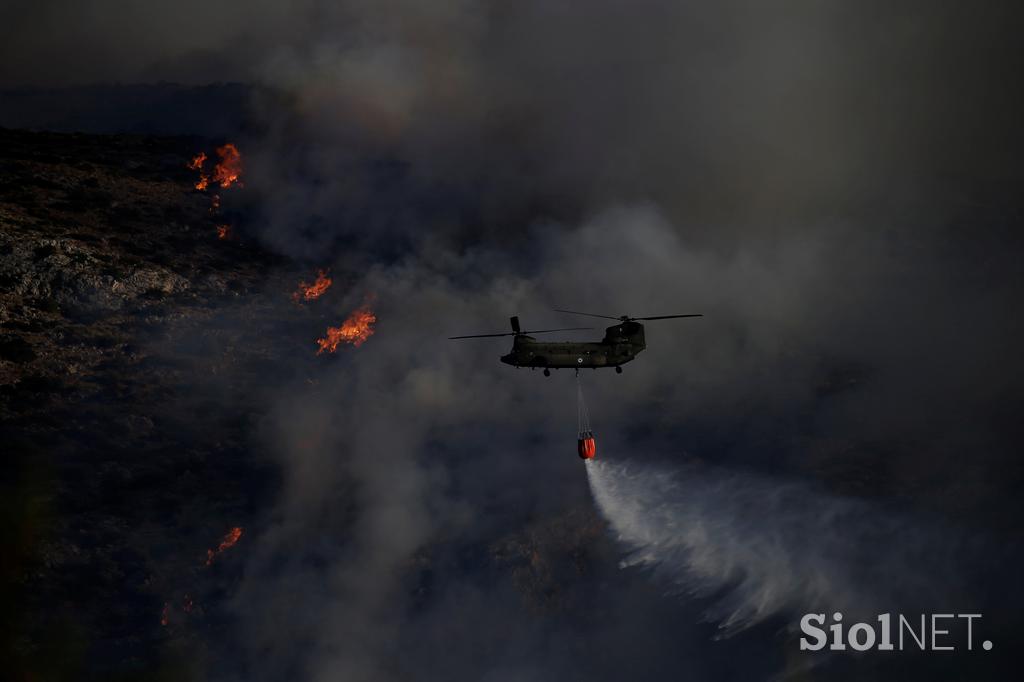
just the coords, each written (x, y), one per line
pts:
(618, 370)
(547, 372)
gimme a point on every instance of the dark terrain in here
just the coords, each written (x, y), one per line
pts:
(215, 110)
(121, 467)
(136, 349)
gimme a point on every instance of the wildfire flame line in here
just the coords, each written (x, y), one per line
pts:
(187, 602)
(197, 165)
(227, 172)
(226, 543)
(229, 169)
(355, 330)
(311, 292)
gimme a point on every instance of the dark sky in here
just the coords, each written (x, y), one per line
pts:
(834, 185)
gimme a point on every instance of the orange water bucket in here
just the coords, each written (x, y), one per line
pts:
(586, 446)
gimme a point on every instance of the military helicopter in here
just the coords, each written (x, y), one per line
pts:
(621, 343)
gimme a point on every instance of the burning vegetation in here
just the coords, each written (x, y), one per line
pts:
(226, 543)
(355, 330)
(187, 602)
(228, 170)
(197, 165)
(186, 607)
(311, 292)
(227, 173)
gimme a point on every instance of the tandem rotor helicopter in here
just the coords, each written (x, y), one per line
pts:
(621, 344)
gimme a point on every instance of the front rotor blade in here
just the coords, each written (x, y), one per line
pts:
(665, 317)
(481, 336)
(576, 312)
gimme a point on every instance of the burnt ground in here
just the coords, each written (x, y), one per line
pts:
(135, 351)
(121, 466)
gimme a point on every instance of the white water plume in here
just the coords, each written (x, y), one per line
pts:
(763, 547)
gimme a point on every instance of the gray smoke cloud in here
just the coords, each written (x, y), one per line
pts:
(413, 441)
(737, 119)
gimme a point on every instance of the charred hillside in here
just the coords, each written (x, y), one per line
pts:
(137, 351)
(119, 460)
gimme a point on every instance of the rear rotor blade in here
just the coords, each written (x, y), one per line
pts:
(532, 331)
(481, 336)
(576, 312)
(665, 317)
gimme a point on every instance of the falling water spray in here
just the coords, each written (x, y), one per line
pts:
(758, 547)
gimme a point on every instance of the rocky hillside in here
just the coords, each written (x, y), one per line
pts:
(109, 264)
(136, 347)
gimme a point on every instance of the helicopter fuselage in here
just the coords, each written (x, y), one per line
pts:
(621, 344)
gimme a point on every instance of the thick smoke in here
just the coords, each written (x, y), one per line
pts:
(413, 442)
(739, 120)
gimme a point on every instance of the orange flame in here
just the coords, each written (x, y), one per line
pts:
(229, 169)
(197, 165)
(227, 542)
(311, 292)
(223, 232)
(354, 330)
(165, 614)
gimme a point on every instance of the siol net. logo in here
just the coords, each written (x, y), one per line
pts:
(927, 632)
